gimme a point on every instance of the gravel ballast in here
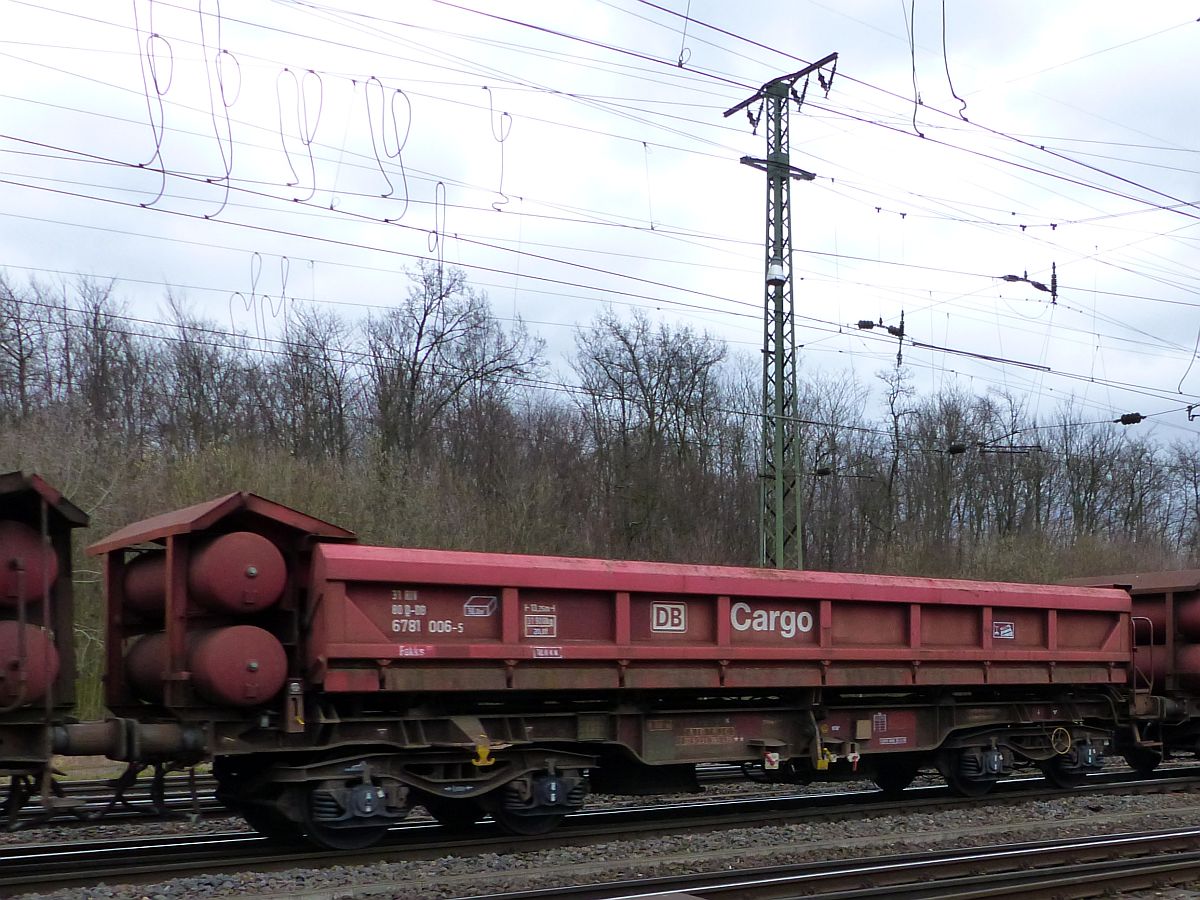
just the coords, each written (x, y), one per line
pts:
(436, 879)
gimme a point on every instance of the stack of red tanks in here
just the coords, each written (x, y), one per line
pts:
(37, 631)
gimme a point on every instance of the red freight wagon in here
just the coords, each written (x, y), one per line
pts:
(336, 686)
(390, 619)
(1166, 656)
(1166, 619)
(37, 630)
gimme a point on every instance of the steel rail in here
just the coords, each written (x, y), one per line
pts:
(1064, 868)
(94, 795)
(139, 860)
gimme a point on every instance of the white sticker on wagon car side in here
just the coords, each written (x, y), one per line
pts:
(480, 606)
(1004, 631)
(541, 626)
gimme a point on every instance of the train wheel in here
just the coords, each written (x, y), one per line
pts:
(1142, 760)
(456, 814)
(894, 777)
(950, 764)
(344, 838)
(967, 773)
(271, 824)
(332, 837)
(320, 830)
(19, 791)
(1060, 776)
(970, 787)
(527, 825)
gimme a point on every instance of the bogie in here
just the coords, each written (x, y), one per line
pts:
(973, 771)
(536, 803)
(344, 817)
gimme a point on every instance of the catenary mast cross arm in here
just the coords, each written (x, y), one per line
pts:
(789, 80)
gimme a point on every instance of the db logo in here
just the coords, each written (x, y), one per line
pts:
(668, 617)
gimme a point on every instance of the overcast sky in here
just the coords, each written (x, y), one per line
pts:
(572, 155)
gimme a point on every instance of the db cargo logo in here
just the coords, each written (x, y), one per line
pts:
(1005, 631)
(668, 617)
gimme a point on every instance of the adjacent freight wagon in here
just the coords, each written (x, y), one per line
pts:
(1165, 663)
(335, 686)
(37, 621)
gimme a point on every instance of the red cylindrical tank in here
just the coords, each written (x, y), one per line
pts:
(21, 547)
(146, 583)
(1187, 616)
(240, 572)
(236, 573)
(240, 665)
(1155, 611)
(41, 663)
(146, 664)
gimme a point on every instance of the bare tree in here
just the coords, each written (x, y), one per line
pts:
(23, 338)
(111, 368)
(206, 400)
(838, 477)
(651, 397)
(1086, 453)
(314, 386)
(441, 342)
(887, 512)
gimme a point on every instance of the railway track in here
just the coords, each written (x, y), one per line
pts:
(1075, 868)
(91, 801)
(93, 795)
(143, 860)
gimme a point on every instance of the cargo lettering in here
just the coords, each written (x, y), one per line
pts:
(787, 623)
